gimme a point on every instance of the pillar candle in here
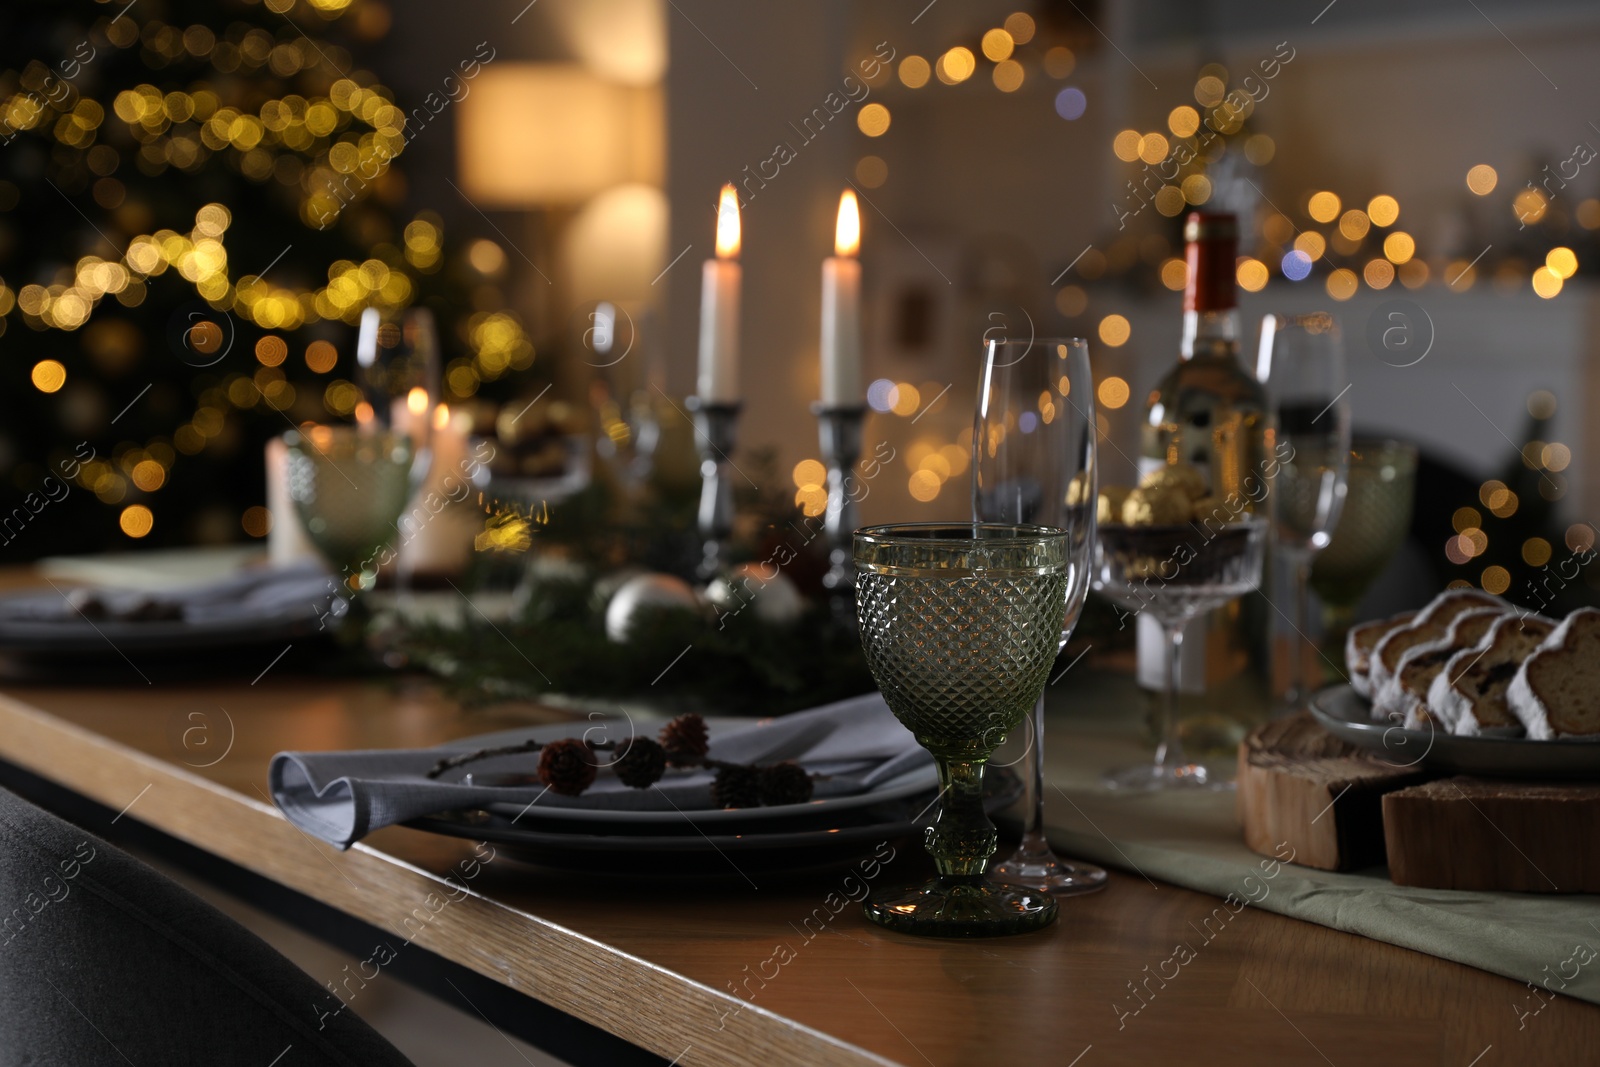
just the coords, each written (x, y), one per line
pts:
(841, 310)
(718, 380)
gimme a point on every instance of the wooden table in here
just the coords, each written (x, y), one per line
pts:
(690, 975)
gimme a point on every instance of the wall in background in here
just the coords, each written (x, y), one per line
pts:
(990, 195)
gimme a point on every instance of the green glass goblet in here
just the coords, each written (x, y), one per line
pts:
(350, 485)
(960, 623)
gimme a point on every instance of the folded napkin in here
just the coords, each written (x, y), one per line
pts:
(343, 796)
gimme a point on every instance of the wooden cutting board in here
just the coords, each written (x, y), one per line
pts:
(1475, 833)
(1301, 785)
(1344, 808)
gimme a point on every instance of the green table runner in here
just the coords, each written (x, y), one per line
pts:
(1193, 840)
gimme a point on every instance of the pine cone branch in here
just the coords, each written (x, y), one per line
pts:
(737, 786)
(641, 764)
(686, 740)
(567, 766)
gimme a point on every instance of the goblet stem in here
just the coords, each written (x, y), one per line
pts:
(962, 838)
(1169, 754)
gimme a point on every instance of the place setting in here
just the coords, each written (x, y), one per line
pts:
(695, 799)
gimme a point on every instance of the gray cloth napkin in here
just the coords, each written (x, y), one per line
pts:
(343, 796)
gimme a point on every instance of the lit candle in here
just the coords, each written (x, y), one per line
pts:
(436, 532)
(841, 310)
(449, 444)
(719, 309)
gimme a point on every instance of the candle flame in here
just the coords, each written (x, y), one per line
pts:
(728, 224)
(847, 234)
(364, 414)
(417, 400)
(441, 416)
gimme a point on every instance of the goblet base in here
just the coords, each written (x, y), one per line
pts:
(953, 906)
(1150, 777)
(1044, 871)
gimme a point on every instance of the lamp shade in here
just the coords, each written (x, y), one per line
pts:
(537, 134)
(616, 245)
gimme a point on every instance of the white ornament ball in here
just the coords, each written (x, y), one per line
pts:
(760, 588)
(606, 586)
(646, 591)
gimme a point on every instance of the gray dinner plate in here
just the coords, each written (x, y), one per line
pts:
(686, 851)
(1348, 715)
(41, 624)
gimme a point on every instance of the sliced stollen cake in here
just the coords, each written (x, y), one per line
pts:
(1358, 645)
(1406, 693)
(1431, 624)
(1556, 692)
(1468, 697)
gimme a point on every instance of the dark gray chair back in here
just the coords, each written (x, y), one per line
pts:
(105, 961)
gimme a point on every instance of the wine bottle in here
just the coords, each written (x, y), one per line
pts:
(1209, 412)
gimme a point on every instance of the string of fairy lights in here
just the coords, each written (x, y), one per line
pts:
(327, 149)
(1348, 242)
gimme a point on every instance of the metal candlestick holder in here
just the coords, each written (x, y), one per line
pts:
(839, 433)
(714, 425)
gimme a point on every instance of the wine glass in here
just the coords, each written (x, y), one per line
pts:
(350, 485)
(1301, 363)
(960, 623)
(1176, 571)
(398, 361)
(1033, 461)
(1371, 527)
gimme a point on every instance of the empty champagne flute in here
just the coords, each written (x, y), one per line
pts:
(1301, 363)
(1033, 461)
(960, 623)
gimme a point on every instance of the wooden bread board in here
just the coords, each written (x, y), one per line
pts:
(1475, 833)
(1343, 808)
(1301, 785)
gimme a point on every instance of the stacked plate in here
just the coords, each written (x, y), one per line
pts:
(673, 841)
(184, 625)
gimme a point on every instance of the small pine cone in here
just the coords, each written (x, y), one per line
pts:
(737, 787)
(685, 736)
(785, 783)
(567, 766)
(642, 764)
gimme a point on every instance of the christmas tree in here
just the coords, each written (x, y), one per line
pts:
(199, 199)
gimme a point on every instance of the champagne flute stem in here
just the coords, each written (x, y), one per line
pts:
(1336, 620)
(1299, 678)
(1170, 752)
(1033, 839)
